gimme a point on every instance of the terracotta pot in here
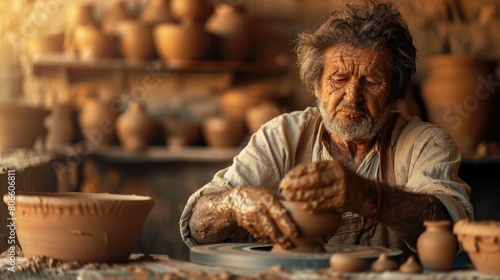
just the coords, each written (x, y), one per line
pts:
(237, 100)
(315, 229)
(460, 97)
(20, 124)
(437, 246)
(481, 241)
(230, 24)
(182, 133)
(92, 43)
(117, 12)
(258, 115)
(347, 263)
(97, 122)
(61, 127)
(135, 128)
(222, 132)
(156, 12)
(78, 14)
(52, 43)
(192, 10)
(136, 40)
(384, 263)
(181, 41)
(84, 227)
(411, 266)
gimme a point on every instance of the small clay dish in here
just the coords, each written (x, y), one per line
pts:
(314, 229)
(347, 263)
(481, 241)
(84, 227)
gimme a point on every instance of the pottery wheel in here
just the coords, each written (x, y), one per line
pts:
(258, 256)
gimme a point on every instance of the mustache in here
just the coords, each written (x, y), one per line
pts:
(352, 107)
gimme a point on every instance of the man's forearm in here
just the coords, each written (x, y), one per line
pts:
(405, 212)
(208, 224)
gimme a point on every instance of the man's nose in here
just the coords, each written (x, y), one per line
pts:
(353, 92)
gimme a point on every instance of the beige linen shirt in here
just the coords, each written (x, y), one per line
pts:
(425, 160)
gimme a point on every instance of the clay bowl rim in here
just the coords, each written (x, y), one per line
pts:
(479, 228)
(69, 198)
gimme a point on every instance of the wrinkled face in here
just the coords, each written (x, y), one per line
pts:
(353, 94)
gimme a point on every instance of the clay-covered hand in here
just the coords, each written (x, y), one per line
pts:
(259, 211)
(326, 185)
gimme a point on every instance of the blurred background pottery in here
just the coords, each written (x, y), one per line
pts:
(197, 11)
(258, 115)
(96, 120)
(92, 43)
(314, 229)
(116, 12)
(136, 40)
(156, 12)
(84, 227)
(78, 14)
(186, 41)
(60, 125)
(21, 124)
(182, 133)
(135, 128)
(481, 241)
(52, 43)
(222, 131)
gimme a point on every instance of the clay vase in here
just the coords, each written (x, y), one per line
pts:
(117, 12)
(156, 12)
(461, 98)
(197, 11)
(136, 40)
(91, 43)
(481, 241)
(78, 14)
(437, 246)
(230, 24)
(97, 122)
(61, 127)
(222, 131)
(83, 227)
(135, 128)
(256, 116)
(181, 42)
(314, 229)
(48, 44)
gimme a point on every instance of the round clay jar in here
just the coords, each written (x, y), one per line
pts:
(437, 246)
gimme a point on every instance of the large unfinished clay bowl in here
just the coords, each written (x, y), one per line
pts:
(481, 241)
(85, 227)
(20, 124)
(314, 229)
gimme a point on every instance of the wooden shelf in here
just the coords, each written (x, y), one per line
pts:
(61, 61)
(155, 154)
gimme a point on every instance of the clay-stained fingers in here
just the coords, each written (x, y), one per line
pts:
(269, 228)
(306, 195)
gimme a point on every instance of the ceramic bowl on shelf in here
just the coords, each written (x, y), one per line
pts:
(52, 43)
(481, 241)
(92, 43)
(84, 227)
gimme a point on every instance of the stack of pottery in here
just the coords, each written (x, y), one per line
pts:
(79, 14)
(117, 12)
(187, 40)
(135, 128)
(229, 23)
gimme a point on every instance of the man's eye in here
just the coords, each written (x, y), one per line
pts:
(371, 83)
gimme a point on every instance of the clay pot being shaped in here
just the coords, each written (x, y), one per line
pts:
(84, 227)
(481, 241)
(156, 12)
(78, 14)
(136, 40)
(181, 42)
(20, 124)
(461, 98)
(230, 24)
(258, 115)
(437, 246)
(314, 229)
(222, 132)
(197, 11)
(135, 128)
(92, 43)
(48, 44)
(61, 127)
(97, 122)
(117, 12)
